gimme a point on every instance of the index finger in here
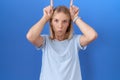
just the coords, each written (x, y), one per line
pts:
(51, 3)
(71, 2)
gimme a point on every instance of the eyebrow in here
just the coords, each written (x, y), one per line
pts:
(63, 19)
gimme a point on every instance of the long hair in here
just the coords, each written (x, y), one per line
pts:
(69, 31)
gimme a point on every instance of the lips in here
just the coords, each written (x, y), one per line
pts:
(59, 30)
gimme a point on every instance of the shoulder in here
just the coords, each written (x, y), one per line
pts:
(45, 37)
(76, 41)
(76, 36)
(45, 40)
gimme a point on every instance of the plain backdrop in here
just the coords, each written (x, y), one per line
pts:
(19, 59)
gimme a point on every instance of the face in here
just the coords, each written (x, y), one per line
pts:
(60, 23)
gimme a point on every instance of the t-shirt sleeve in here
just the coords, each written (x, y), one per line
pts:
(44, 42)
(77, 39)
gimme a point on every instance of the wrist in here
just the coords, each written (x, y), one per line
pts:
(45, 19)
(75, 18)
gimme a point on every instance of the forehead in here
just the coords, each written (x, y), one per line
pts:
(61, 15)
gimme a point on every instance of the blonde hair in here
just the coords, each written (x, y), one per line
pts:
(69, 31)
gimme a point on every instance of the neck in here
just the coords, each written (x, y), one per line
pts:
(60, 38)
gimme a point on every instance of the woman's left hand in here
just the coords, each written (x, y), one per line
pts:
(74, 11)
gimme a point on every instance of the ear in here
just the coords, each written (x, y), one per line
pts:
(51, 3)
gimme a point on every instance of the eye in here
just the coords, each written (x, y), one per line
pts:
(65, 21)
(56, 20)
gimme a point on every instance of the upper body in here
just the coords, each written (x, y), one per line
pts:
(61, 45)
(60, 60)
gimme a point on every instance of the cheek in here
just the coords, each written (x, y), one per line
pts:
(54, 26)
(53, 23)
(66, 25)
(65, 29)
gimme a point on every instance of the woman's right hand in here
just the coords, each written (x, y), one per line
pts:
(48, 12)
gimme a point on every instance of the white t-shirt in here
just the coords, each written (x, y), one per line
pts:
(60, 60)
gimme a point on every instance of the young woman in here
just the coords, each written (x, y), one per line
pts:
(60, 49)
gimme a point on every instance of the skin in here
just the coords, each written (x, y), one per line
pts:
(60, 23)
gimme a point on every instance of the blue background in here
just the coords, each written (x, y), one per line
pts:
(19, 60)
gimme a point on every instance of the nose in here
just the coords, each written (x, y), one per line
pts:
(60, 25)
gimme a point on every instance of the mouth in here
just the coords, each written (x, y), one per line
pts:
(59, 30)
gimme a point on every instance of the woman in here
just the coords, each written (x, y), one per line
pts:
(60, 49)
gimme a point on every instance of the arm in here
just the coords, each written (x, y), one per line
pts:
(33, 34)
(89, 34)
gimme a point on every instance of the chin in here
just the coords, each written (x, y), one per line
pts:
(60, 34)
